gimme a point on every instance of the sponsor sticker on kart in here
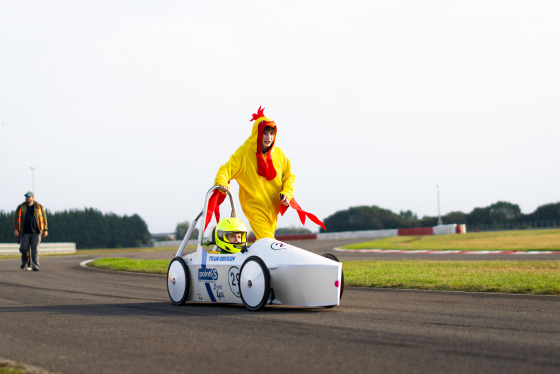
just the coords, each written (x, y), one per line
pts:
(279, 245)
(207, 274)
(221, 258)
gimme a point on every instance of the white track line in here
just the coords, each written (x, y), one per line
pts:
(85, 263)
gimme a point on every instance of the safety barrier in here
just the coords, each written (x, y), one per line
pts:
(177, 243)
(416, 231)
(44, 248)
(436, 230)
(289, 237)
(173, 243)
(357, 234)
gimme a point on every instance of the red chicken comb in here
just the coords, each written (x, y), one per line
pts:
(259, 114)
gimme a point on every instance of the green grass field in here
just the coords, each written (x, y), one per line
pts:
(524, 277)
(525, 240)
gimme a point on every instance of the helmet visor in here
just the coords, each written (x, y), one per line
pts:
(233, 237)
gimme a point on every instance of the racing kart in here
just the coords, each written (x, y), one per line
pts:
(268, 272)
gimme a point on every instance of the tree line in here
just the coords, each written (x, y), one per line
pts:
(183, 227)
(493, 216)
(88, 228)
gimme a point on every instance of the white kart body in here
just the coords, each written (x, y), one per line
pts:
(295, 276)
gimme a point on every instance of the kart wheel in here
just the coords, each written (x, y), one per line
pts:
(334, 258)
(178, 281)
(254, 283)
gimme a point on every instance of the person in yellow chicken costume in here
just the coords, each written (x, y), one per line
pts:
(264, 175)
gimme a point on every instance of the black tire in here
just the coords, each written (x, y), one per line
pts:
(178, 281)
(254, 278)
(334, 258)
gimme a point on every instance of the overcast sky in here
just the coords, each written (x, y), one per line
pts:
(131, 106)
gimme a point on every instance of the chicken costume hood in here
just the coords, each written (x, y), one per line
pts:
(262, 177)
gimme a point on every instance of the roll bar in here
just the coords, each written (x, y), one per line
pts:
(203, 214)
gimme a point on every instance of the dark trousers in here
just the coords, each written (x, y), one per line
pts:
(30, 241)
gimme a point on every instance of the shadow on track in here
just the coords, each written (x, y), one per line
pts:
(159, 309)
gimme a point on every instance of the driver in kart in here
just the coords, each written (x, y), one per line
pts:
(230, 236)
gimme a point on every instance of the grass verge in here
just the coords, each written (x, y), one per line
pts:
(522, 240)
(524, 277)
(12, 367)
(136, 266)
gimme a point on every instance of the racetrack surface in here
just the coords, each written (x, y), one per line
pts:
(71, 319)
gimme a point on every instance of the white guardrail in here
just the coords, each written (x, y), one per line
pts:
(174, 243)
(449, 229)
(44, 248)
(436, 230)
(357, 234)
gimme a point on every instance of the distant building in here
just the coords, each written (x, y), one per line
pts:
(163, 237)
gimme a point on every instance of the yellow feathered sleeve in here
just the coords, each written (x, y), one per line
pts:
(230, 170)
(288, 179)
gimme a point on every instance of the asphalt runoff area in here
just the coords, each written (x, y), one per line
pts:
(71, 319)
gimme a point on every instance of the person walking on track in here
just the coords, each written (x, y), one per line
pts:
(30, 222)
